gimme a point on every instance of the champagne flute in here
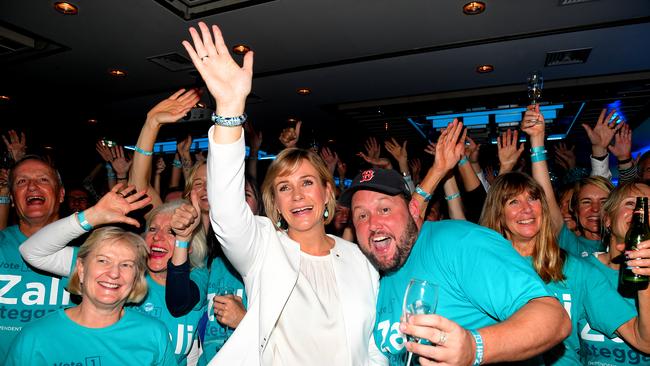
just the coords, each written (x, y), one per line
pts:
(535, 86)
(421, 297)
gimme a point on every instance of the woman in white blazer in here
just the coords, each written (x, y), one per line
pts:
(311, 296)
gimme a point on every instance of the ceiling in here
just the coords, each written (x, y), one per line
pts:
(370, 65)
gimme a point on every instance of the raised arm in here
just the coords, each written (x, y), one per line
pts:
(622, 149)
(508, 151)
(169, 110)
(533, 125)
(16, 145)
(47, 249)
(600, 136)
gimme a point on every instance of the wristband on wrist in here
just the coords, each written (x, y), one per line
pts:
(177, 163)
(600, 158)
(81, 217)
(143, 152)
(538, 149)
(624, 161)
(463, 161)
(537, 157)
(478, 357)
(452, 196)
(229, 121)
(5, 200)
(182, 244)
(423, 193)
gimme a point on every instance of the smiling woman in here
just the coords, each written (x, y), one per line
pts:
(109, 273)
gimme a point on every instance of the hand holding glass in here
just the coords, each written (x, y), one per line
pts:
(421, 297)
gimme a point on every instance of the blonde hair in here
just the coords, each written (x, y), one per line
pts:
(613, 203)
(110, 235)
(285, 164)
(596, 181)
(199, 247)
(548, 259)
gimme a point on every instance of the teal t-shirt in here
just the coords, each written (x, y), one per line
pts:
(600, 349)
(57, 340)
(482, 280)
(182, 330)
(26, 294)
(577, 245)
(222, 276)
(585, 294)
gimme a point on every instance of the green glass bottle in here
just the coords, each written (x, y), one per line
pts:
(637, 233)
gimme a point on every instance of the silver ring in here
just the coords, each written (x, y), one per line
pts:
(204, 57)
(443, 338)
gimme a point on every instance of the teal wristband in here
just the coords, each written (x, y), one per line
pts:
(538, 149)
(182, 244)
(478, 358)
(463, 161)
(177, 163)
(81, 217)
(5, 200)
(143, 152)
(537, 157)
(423, 193)
(452, 196)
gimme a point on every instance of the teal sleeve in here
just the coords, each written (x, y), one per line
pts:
(606, 309)
(569, 241)
(21, 350)
(168, 356)
(492, 275)
(200, 277)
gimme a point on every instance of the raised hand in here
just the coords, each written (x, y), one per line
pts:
(381, 163)
(533, 123)
(330, 158)
(120, 163)
(472, 150)
(173, 108)
(341, 168)
(622, 148)
(253, 136)
(186, 219)
(450, 147)
(160, 165)
(603, 132)
(397, 151)
(104, 151)
(416, 167)
(565, 157)
(183, 147)
(507, 150)
(372, 148)
(431, 148)
(113, 207)
(290, 135)
(17, 146)
(228, 83)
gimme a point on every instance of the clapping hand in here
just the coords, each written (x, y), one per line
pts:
(450, 147)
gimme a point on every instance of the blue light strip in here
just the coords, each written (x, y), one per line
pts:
(481, 118)
(200, 144)
(418, 129)
(575, 118)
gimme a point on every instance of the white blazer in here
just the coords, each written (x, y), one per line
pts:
(269, 261)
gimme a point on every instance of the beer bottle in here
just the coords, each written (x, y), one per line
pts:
(637, 233)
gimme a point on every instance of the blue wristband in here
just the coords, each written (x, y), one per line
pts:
(177, 163)
(478, 358)
(538, 149)
(463, 161)
(423, 193)
(81, 217)
(182, 244)
(5, 200)
(452, 196)
(143, 152)
(537, 157)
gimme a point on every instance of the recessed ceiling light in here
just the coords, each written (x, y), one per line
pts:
(484, 69)
(117, 73)
(5, 98)
(293, 120)
(241, 49)
(48, 147)
(66, 8)
(303, 91)
(474, 7)
(92, 121)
